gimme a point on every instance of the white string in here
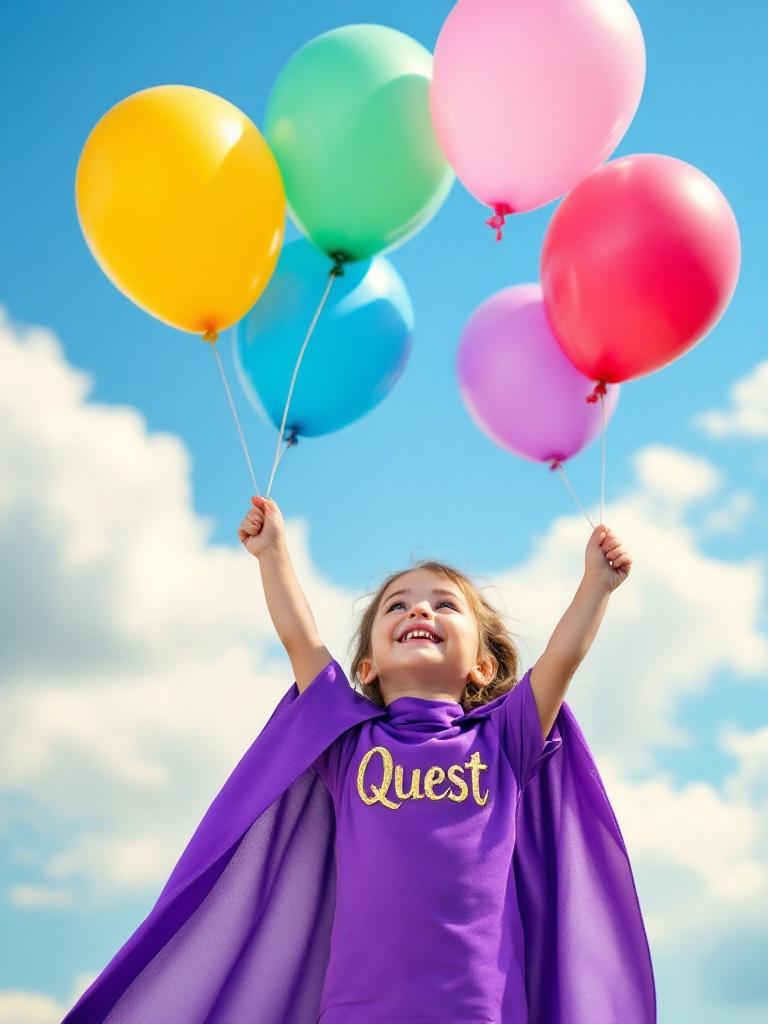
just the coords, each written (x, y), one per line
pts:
(558, 466)
(290, 440)
(602, 465)
(332, 275)
(211, 336)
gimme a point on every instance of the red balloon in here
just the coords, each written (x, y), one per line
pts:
(639, 262)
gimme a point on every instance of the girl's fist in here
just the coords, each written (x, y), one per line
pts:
(606, 558)
(262, 527)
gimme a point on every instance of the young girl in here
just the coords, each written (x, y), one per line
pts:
(426, 926)
(438, 849)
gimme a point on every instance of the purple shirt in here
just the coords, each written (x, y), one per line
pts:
(426, 926)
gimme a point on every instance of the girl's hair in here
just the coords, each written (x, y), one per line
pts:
(495, 638)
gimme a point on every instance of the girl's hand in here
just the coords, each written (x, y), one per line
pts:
(262, 527)
(606, 559)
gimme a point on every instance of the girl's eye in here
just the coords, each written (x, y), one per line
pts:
(403, 604)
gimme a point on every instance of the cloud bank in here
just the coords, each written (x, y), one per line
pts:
(138, 662)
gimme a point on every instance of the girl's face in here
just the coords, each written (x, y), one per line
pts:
(424, 668)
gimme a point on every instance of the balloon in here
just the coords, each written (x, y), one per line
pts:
(518, 386)
(528, 98)
(638, 263)
(182, 205)
(348, 120)
(355, 356)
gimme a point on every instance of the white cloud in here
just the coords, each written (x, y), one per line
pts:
(23, 1006)
(731, 515)
(750, 750)
(39, 896)
(18, 1006)
(138, 662)
(125, 637)
(747, 415)
(677, 477)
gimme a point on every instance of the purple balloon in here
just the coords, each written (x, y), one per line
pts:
(519, 386)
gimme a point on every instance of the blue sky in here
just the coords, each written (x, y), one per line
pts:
(692, 498)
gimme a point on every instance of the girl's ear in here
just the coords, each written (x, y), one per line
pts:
(487, 669)
(365, 672)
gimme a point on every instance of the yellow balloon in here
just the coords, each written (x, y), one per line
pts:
(182, 205)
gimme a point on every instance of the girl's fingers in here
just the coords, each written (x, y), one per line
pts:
(614, 552)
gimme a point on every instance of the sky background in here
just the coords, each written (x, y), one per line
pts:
(137, 659)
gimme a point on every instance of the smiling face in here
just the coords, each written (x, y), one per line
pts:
(421, 599)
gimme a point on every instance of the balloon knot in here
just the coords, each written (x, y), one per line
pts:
(598, 389)
(211, 336)
(338, 260)
(497, 221)
(291, 437)
(556, 464)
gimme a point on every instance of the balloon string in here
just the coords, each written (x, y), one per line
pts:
(602, 463)
(335, 271)
(291, 439)
(211, 336)
(598, 392)
(556, 464)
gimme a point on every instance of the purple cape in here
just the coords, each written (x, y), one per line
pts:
(241, 931)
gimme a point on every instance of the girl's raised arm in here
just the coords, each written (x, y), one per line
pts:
(606, 565)
(262, 532)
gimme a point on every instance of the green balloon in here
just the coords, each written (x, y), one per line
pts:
(349, 124)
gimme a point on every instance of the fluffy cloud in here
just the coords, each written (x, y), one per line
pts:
(138, 661)
(20, 1007)
(748, 412)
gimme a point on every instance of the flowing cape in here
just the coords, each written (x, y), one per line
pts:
(241, 930)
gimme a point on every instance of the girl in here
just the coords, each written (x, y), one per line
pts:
(425, 928)
(438, 849)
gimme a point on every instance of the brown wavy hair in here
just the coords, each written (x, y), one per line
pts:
(496, 640)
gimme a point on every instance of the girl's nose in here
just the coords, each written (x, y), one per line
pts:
(421, 606)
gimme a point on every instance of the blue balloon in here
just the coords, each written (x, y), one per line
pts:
(357, 352)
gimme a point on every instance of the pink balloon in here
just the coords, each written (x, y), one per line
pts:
(528, 98)
(517, 384)
(638, 263)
